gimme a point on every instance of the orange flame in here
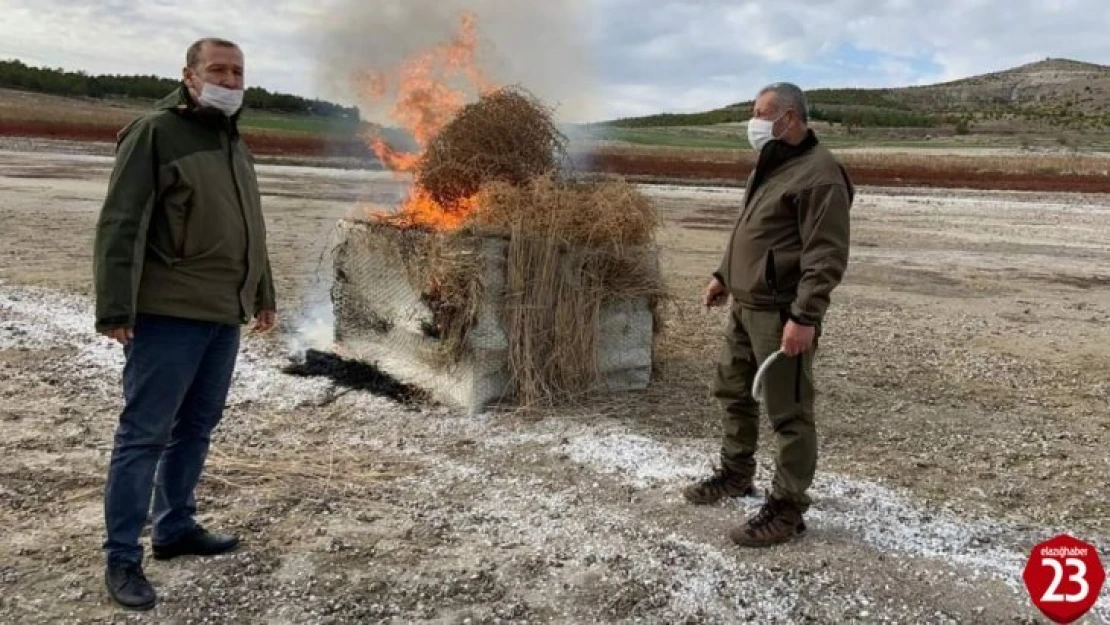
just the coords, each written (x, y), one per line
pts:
(425, 102)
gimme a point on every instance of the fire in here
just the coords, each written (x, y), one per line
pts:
(419, 209)
(425, 102)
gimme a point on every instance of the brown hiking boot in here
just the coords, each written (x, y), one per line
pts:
(776, 522)
(723, 483)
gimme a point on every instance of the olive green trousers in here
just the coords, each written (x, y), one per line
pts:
(787, 395)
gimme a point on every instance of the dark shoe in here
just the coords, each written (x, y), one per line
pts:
(723, 483)
(776, 522)
(198, 543)
(129, 587)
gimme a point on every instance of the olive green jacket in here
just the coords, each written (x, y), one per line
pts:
(181, 230)
(789, 247)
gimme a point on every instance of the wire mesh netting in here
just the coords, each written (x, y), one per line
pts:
(437, 311)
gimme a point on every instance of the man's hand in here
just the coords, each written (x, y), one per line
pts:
(715, 293)
(121, 335)
(265, 321)
(796, 338)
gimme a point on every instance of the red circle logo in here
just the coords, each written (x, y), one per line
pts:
(1064, 577)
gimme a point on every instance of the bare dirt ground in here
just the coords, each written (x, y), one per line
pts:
(964, 374)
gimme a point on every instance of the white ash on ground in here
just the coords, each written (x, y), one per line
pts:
(472, 505)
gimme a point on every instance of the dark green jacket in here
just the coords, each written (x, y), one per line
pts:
(789, 247)
(181, 231)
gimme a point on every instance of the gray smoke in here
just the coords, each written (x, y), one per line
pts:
(541, 46)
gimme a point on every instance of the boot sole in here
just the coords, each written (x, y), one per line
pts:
(784, 541)
(708, 502)
(798, 535)
(139, 607)
(175, 550)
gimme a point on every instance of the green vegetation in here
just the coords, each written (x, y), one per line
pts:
(963, 136)
(17, 75)
(849, 115)
(863, 116)
(299, 123)
(729, 114)
(674, 137)
(880, 98)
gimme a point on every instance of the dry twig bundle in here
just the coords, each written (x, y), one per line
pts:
(452, 289)
(506, 136)
(574, 247)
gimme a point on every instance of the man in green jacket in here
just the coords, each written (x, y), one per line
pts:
(180, 264)
(788, 251)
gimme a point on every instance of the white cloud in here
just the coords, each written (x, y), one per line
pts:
(598, 58)
(801, 41)
(121, 37)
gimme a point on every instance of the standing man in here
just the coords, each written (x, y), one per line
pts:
(180, 263)
(788, 251)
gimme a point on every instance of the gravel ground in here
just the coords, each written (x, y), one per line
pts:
(964, 375)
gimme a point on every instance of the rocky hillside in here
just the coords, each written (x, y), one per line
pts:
(1050, 84)
(1052, 92)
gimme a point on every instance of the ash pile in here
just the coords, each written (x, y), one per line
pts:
(502, 279)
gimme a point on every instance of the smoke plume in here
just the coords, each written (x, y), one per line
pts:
(541, 46)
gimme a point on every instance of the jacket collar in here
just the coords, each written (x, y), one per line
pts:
(775, 154)
(181, 102)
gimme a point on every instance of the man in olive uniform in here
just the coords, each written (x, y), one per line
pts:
(180, 264)
(788, 251)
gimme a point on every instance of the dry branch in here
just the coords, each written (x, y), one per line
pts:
(507, 136)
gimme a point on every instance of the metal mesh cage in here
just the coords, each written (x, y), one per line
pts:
(383, 316)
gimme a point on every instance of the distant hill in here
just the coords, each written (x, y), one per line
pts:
(1052, 92)
(15, 74)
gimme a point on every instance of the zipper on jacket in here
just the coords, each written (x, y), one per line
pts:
(242, 213)
(184, 234)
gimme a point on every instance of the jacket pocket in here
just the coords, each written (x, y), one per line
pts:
(202, 255)
(197, 238)
(177, 218)
(782, 271)
(184, 244)
(770, 274)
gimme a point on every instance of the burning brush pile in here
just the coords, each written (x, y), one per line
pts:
(517, 277)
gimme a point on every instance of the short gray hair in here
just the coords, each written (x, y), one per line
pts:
(789, 95)
(193, 54)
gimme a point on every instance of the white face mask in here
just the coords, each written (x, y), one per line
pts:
(761, 131)
(217, 97)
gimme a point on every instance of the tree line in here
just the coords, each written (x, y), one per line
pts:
(18, 75)
(851, 116)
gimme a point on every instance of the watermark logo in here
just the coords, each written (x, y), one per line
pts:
(1064, 577)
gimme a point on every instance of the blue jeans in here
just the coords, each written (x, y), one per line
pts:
(175, 384)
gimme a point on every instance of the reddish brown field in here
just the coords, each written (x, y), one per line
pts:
(261, 142)
(896, 173)
(728, 167)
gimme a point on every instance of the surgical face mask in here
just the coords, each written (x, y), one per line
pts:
(761, 131)
(217, 97)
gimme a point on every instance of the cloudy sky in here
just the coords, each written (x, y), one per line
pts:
(593, 59)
